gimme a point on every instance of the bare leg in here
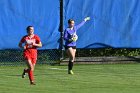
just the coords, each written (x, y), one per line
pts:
(30, 71)
(71, 53)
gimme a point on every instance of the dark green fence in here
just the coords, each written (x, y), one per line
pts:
(15, 57)
(52, 57)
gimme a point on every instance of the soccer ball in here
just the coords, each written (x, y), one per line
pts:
(74, 37)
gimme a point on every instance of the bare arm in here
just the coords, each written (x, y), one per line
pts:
(20, 45)
(38, 45)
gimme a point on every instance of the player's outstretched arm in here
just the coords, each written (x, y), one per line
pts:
(82, 23)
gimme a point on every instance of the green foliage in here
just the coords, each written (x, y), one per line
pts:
(107, 52)
(53, 56)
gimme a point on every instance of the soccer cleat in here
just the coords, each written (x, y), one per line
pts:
(32, 83)
(23, 74)
(70, 72)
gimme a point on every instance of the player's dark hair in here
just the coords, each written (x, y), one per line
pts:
(70, 20)
(28, 28)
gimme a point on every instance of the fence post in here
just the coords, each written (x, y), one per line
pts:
(61, 31)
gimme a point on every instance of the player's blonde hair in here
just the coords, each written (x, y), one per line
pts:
(70, 20)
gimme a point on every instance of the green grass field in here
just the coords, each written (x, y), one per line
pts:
(115, 78)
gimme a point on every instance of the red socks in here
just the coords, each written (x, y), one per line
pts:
(31, 77)
(30, 74)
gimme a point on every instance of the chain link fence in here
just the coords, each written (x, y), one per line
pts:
(15, 57)
(53, 56)
(106, 55)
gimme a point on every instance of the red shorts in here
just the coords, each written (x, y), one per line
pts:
(33, 60)
(30, 54)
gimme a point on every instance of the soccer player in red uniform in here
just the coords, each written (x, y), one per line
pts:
(30, 43)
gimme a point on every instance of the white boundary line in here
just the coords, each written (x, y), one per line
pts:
(57, 69)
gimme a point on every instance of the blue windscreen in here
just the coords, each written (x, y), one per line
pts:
(114, 23)
(16, 15)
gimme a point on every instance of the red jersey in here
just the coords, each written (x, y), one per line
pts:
(30, 51)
